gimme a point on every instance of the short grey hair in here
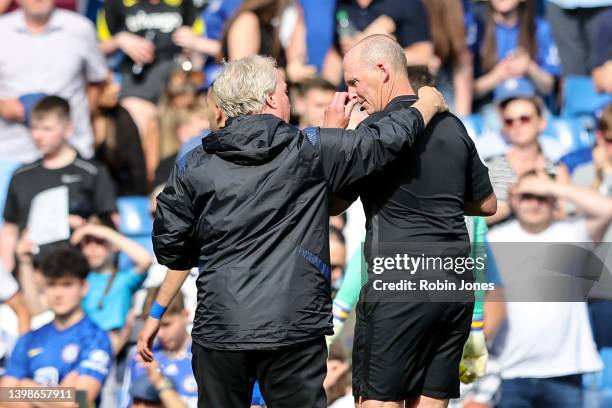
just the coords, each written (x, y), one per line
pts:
(243, 85)
(381, 47)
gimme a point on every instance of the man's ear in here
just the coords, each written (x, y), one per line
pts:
(271, 101)
(383, 70)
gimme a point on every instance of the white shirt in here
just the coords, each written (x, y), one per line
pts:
(60, 61)
(545, 339)
(8, 285)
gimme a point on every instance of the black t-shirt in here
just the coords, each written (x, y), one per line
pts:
(140, 17)
(124, 157)
(410, 17)
(90, 189)
(421, 196)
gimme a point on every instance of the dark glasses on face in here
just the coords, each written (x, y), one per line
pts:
(529, 196)
(523, 120)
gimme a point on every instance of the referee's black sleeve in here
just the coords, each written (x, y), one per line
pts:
(350, 155)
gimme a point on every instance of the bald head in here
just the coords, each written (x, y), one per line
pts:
(376, 49)
(375, 72)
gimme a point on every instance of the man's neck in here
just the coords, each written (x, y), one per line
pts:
(35, 24)
(401, 87)
(62, 158)
(534, 228)
(509, 19)
(64, 322)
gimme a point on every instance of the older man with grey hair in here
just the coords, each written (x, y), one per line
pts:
(250, 209)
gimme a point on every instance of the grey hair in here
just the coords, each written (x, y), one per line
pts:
(380, 47)
(242, 86)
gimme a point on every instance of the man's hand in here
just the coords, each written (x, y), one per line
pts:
(540, 185)
(473, 363)
(146, 337)
(139, 49)
(432, 96)
(12, 109)
(184, 37)
(338, 113)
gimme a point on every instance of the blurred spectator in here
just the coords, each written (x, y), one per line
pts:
(143, 31)
(546, 346)
(574, 25)
(109, 298)
(522, 124)
(337, 379)
(191, 125)
(88, 186)
(337, 258)
(338, 221)
(161, 139)
(11, 5)
(597, 173)
(516, 44)
(10, 295)
(314, 96)
(602, 73)
(257, 28)
(172, 355)
(155, 390)
(215, 16)
(356, 19)
(452, 63)
(71, 351)
(50, 51)
(117, 144)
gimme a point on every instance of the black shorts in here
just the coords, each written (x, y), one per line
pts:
(404, 350)
(289, 377)
(150, 84)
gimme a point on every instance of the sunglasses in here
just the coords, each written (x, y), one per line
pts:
(529, 196)
(523, 120)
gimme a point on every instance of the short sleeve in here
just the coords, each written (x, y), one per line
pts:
(94, 63)
(548, 54)
(95, 357)
(478, 184)
(11, 206)
(18, 364)
(174, 240)
(413, 25)
(105, 198)
(110, 19)
(134, 280)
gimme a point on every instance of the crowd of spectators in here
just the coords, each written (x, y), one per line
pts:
(99, 99)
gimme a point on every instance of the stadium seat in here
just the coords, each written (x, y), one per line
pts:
(580, 99)
(576, 158)
(569, 132)
(473, 125)
(135, 216)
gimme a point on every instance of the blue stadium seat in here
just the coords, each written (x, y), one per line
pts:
(576, 158)
(580, 98)
(569, 132)
(6, 172)
(473, 124)
(135, 216)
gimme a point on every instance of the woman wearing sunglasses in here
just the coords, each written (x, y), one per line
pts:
(522, 123)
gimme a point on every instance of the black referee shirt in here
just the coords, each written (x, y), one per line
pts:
(420, 197)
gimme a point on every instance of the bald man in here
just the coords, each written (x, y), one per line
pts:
(407, 349)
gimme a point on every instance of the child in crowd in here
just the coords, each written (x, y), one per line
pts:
(109, 298)
(71, 351)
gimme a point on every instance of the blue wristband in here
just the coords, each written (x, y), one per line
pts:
(157, 311)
